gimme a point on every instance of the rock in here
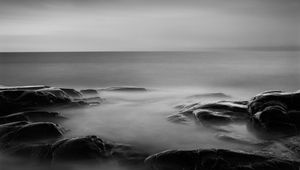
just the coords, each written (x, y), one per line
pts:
(211, 117)
(86, 148)
(33, 116)
(18, 132)
(125, 89)
(226, 106)
(178, 118)
(36, 87)
(20, 100)
(275, 114)
(17, 99)
(72, 93)
(33, 152)
(216, 159)
(219, 113)
(207, 95)
(94, 149)
(89, 92)
(287, 101)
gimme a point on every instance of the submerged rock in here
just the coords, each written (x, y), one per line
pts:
(125, 89)
(216, 159)
(209, 95)
(89, 92)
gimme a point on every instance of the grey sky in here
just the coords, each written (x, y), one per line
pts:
(68, 25)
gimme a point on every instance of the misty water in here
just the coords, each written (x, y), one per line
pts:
(140, 118)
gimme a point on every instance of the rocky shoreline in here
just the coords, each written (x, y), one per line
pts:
(28, 130)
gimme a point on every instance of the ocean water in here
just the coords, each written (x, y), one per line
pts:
(140, 118)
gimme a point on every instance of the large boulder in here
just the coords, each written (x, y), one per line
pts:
(20, 132)
(19, 100)
(275, 114)
(94, 149)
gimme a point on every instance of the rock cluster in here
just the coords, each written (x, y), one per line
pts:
(26, 130)
(29, 132)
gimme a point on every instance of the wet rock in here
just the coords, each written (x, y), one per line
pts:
(211, 117)
(33, 116)
(275, 114)
(178, 118)
(226, 106)
(216, 159)
(89, 92)
(94, 149)
(74, 149)
(210, 95)
(219, 113)
(33, 152)
(72, 93)
(35, 87)
(287, 101)
(21, 100)
(18, 132)
(125, 89)
(18, 99)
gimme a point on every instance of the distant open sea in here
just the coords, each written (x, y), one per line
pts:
(251, 71)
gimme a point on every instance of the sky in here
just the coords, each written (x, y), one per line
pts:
(143, 25)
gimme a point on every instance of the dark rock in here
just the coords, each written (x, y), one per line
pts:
(89, 92)
(18, 132)
(21, 100)
(211, 117)
(219, 113)
(125, 89)
(72, 93)
(33, 116)
(34, 152)
(287, 101)
(94, 149)
(275, 113)
(74, 149)
(216, 159)
(226, 106)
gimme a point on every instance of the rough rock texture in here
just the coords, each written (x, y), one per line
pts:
(219, 113)
(216, 159)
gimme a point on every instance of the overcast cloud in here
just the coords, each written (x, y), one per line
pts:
(117, 25)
